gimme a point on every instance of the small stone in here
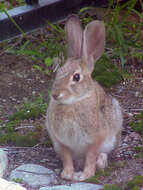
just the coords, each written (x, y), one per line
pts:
(13, 99)
(135, 135)
(19, 75)
(137, 94)
(34, 175)
(3, 162)
(124, 145)
(130, 114)
(75, 186)
(33, 92)
(6, 185)
(57, 171)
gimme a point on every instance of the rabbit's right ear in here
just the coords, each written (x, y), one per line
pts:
(74, 36)
(93, 43)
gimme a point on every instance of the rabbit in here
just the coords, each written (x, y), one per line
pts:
(3, 162)
(82, 120)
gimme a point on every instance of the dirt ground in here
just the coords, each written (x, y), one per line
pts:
(18, 81)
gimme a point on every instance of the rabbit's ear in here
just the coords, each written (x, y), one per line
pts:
(93, 42)
(74, 36)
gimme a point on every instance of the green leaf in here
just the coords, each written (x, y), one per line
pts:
(37, 67)
(122, 58)
(48, 61)
(138, 13)
(25, 45)
(47, 71)
(84, 9)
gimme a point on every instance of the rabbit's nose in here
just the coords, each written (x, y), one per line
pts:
(57, 96)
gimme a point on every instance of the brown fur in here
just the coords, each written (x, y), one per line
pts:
(82, 120)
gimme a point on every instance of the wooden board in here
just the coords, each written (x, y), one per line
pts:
(30, 17)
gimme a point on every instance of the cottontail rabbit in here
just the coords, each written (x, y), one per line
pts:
(82, 120)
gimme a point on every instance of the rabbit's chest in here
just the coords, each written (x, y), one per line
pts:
(72, 135)
(73, 127)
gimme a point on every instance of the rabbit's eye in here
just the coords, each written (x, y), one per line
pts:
(76, 77)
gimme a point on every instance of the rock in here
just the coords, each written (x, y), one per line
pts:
(75, 186)
(3, 162)
(135, 136)
(6, 185)
(34, 175)
(137, 94)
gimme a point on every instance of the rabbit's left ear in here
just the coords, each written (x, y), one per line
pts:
(74, 36)
(93, 43)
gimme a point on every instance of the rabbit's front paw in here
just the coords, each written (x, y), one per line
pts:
(81, 176)
(67, 173)
(102, 161)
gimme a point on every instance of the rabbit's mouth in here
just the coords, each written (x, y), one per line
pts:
(61, 99)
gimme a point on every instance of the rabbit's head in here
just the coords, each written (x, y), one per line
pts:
(73, 80)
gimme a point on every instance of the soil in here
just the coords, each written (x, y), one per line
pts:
(18, 81)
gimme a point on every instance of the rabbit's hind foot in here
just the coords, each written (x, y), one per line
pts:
(67, 173)
(102, 161)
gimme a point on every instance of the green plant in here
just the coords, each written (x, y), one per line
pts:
(111, 187)
(135, 184)
(106, 73)
(43, 51)
(98, 175)
(123, 34)
(119, 28)
(139, 151)
(17, 180)
(137, 124)
(9, 4)
(48, 63)
(3, 10)
(57, 31)
(92, 179)
(115, 166)
(29, 138)
(30, 109)
(138, 55)
(48, 142)
(11, 125)
(85, 17)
